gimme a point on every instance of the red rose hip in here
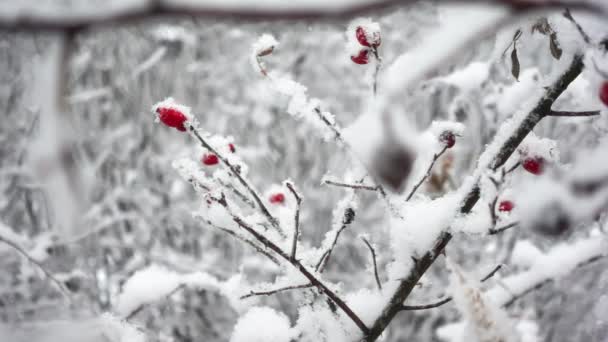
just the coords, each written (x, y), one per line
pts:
(448, 138)
(505, 206)
(172, 117)
(210, 159)
(534, 165)
(231, 147)
(362, 57)
(363, 39)
(604, 92)
(277, 198)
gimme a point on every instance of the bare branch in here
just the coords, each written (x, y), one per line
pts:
(426, 306)
(492, 273)
(273, 221)
(494, 231)
(247, 241)
(295, 263)
(138, 309)
(573, 114)
(373, 252)
(446, 299)
(542, 108)
(296, 233)
(148, 10)
(281, 289)
(427, 174)
(584, 34)
(60, 286)
(352, 186)
(349, 215)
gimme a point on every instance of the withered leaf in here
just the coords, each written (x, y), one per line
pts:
(556, 50)
(542, 26)
(515, 63)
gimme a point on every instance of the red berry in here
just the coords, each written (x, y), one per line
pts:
(210, 159)
(448, 138)
(505, 206)
(172, 117)
(534, 165)
(231, 147)
(604, 93)
(277, 198)
(362, 57)
(362, 38)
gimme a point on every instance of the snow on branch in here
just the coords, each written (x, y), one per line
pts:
(153, 283)
(36, 17)
(506, 142)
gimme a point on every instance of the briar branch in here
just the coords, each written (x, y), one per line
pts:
(506, 149)
(296, 233)
(60, 286)
(494, 231)
(298, 10)
(275, 291)
(446, 299)
(427, 174)
(295, 263)
(373, 253)
(573, 114)
(355, 186)
(273, 221)
(138, 309)
(349, 216)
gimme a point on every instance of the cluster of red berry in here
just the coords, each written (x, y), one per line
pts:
(369, 45)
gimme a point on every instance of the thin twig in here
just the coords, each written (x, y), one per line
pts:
(427, 174)
(247, 241)
(492, 273)
(142, 306)
(296, 233)
(373, 252)
(573, 114)
(61, 287)
(273, 221)
(493, 231)
(446, 299)
(352, 186)
(584, 34)
(297, 264)
(271, 292)
(320, 267)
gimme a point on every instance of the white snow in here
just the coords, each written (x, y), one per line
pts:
(468, 78)
(525, 253)
(262, 324)
(155, 282)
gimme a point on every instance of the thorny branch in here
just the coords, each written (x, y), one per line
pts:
(493, 231)
(542, 109)
(352, 186)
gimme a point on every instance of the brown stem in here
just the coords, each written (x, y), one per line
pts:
(573, 114)
(373, 252)
(408, 283)
(352, 186)
(296, 233)
(273, 221)
(427, 174)
(271, 292)
(493, 231)
(298, 265)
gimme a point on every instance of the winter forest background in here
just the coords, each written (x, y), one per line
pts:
(303, 171)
